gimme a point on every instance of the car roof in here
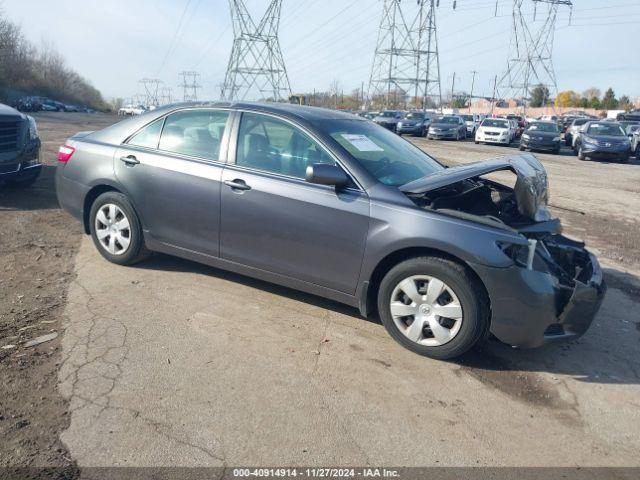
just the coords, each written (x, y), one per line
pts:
(283, 109)
(298, 113)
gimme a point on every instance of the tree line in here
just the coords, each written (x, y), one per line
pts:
(590, 98)
(27, 70)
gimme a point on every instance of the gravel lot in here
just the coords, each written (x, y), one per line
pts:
(166, 364)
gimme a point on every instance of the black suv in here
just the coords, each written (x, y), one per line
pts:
(19, 148)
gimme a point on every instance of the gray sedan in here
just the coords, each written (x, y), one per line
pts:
(334, 205)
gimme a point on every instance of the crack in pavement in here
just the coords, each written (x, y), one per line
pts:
(95, 349)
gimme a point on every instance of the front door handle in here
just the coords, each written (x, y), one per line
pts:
(130, 160)
(237, 184)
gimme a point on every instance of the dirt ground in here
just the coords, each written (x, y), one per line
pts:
(39, 244)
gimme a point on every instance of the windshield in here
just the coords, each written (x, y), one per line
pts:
(415, 116)
(492, 122)
(447, 120)
(544, 127)
(610, 129)
(390, 159)
(467, 118)
(388, 114)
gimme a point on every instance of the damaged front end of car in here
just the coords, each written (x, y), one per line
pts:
(554, 287)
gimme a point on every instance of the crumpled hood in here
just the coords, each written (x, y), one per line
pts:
(531, 190)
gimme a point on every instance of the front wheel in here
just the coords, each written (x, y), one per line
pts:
(116, 229)
(433, 307)
(581, 155)
(624, 158)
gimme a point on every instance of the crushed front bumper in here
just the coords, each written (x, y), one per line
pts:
(532, 308)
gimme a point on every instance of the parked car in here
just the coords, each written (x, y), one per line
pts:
(631, 129)
(28, 104)
(520, 124)
(415, 123)
(633, 115)
(494, 130)
(606, 140)
(471, 121)
(627, 124)
(20, 163)
(130, 110)
(572, 130)
(635, 144)
(388, 119)
(447, 127)
(541, 136)
(333, 205)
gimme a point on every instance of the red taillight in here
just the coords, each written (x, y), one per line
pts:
(65, 152)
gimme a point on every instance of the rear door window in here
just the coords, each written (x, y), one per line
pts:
(149, 136)
(197, 133)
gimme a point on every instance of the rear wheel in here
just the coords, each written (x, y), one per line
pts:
(116, 229)
(624, 158)
(433, 307)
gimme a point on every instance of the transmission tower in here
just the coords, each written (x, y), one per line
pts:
(406, 58)
(166, 96)
(256, 67)
(531, 47)
(190, 86)
(151, 90)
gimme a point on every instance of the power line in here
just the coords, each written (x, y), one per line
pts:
(175, 36)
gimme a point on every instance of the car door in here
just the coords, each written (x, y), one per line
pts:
(273, 220)
(171, 170)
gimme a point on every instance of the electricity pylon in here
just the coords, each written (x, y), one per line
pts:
(256, 66)
(151, 89)
(190, 86)
(166, 96)
(531, 63)
(406, 58)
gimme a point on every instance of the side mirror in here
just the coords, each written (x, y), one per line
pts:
(326, 174)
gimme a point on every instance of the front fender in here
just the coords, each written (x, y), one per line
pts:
(395, 228)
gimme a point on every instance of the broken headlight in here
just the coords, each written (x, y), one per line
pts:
(522, 255)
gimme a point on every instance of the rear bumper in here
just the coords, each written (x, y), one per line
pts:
(70, 194)
(530, 308)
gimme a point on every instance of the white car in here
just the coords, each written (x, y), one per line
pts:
(128, 110)
(495, 130)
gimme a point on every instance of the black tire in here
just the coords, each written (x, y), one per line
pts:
(137, 251)
(477, 142)
(624, 158)
(474, 302)
(567, 141)
(22, 182)
(581, 155)
(556, 151)
(522, 149)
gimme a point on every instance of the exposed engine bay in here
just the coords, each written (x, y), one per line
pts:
(462, 190)
(463, 193)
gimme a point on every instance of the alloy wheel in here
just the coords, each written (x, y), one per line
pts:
(113, 230)
(426, 310)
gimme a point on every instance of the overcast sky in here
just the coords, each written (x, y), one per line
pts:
(114, 43)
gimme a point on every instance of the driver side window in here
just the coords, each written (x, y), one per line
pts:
(268, 144)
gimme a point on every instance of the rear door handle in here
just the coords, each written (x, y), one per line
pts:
(130, 160)
(237, 184)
